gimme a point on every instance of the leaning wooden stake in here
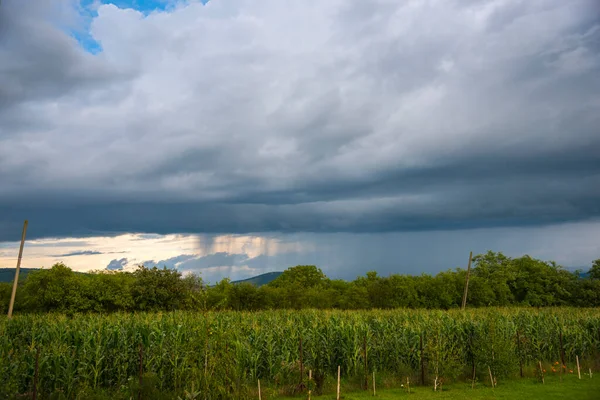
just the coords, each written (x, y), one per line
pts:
(578, 370)
(338, 385)
(374, 393)
(259, 396)
(542, 371)
(491, 377)
(408, 384)
(16, 281)
(464, 300)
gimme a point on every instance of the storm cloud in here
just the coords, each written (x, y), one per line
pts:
(320, 116)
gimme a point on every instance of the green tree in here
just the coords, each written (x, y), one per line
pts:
(303, 276)
(111, 291)
(499, 272)
(595, 270)
(217, 296)
(244, 296)
(57, 288)
(157, 289)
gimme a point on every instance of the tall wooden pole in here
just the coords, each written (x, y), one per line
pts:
(16, 281)
(338, 385)
(464, 300)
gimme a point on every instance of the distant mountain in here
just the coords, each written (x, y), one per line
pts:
(8, 274)
(262, 279)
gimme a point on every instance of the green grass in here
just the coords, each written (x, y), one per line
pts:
(526, 389)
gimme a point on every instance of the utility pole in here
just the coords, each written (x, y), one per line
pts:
(464, 300)
(16, 281)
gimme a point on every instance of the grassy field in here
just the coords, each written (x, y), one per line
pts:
(515, 389)
(223, 354)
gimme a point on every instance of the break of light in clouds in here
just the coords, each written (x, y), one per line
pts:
(215, 257)
(340, 255)
(346, 125)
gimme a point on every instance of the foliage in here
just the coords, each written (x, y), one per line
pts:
(595, 270)
(496, 280)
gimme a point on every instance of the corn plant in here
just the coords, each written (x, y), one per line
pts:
(221, 355)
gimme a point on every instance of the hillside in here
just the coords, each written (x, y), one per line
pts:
(262, 279)
(8, 274)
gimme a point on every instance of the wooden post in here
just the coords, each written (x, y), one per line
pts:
(590, 373)
(301, 365)
(206, 350)
(309, 380)
(491, 377)
(578, 370)
(366, 363)
(473, 381)
(374, 393)
(519, 351)
(464, 300)
(259, 395)
(338, 385)
(408, 384)
(562, 350)
(422, 360)
(16, 281)
(542, 371)
(141, 371)
(228, 386)
(37, 374)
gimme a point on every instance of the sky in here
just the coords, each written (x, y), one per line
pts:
(235, 137)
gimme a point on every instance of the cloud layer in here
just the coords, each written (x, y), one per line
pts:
(324, 116)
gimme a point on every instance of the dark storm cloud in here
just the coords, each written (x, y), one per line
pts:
(381, 117)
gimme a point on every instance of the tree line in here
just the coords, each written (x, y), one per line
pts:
(495, 280)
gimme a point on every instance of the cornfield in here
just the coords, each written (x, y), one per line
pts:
(223, 354)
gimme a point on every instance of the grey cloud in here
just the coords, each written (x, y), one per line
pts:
(78, 253)
(116, 265)
(186, 262)
(381, 118)
(171, 263)
(149, 264)
(212, 267)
